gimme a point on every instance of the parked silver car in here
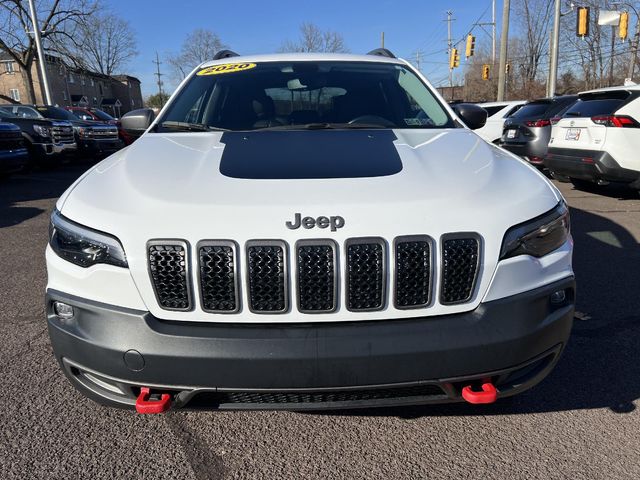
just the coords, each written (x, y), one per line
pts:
(527, 132)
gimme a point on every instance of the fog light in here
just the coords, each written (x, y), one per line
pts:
(63, 311)
(558, 297)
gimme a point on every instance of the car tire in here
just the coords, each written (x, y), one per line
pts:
(558, 177)
(583, 185)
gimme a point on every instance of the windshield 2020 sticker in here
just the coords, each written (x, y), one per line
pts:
(226, 68)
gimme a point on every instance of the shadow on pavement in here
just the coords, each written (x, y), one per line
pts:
(39, 185)
(600, 367)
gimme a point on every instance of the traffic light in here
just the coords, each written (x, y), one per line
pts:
(454, 59)
(623, 28)
(486, 71)
(507, 68)
(582, 26)
(471, 45)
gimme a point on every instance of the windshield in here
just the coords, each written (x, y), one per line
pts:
(57, 113)
(102, 115)
(305, 94)
(532, 110)
(21, 111)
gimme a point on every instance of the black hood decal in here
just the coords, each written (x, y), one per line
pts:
(305, 154)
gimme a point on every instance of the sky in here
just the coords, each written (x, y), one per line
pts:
(250, 27)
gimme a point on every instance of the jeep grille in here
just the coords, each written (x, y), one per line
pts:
(266, 265)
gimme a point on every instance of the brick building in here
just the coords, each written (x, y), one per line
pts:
(71, 86)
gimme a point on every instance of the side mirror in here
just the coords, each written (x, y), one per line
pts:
(136, 122)
(472, 115)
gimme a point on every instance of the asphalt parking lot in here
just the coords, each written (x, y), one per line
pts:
(582, 422)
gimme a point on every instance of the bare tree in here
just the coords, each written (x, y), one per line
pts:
(58, 21)
(312, 39)
(534, 17)
(104, 43)
(199, 46)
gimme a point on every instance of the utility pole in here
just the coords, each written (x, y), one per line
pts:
(42, 61)
(634, 49)
(382, 40)
(504, 39)
(450, 49)
(159, 75)
(418, 55)
(555, 40)
(493, 33)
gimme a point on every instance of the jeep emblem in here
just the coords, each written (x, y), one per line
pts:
(335, 222)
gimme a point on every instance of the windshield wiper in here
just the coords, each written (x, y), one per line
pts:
(323, 126)
(190, 127)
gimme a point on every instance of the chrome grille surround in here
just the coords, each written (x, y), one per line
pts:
(365, 274)
(310, 255)
(267, 260)
(218, 276)
(169, 269)
(460, 260)
(414, 271)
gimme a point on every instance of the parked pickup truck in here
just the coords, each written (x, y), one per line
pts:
(47, 141)
(13, 153)
(95, 139)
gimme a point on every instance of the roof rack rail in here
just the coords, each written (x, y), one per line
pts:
(382, 52)
(225, 54)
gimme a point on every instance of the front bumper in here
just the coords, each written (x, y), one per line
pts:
(100, 146)
(49, 149)
(592, 165)
(109, 353)
(13, 160)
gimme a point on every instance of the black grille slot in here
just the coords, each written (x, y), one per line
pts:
(212, 399)
(267, 277)
(460, 260)
(365, 275)
(413, 272)
(169, 273)
(316, 278)
(218, 278)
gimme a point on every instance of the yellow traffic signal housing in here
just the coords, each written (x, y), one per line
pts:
(582, 27)
(623, 28)
(507, 68)
(486, 71)
(454, 59)
(471, 45)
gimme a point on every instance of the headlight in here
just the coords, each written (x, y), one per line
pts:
(539, 236)
(84, 246)
(42, 131)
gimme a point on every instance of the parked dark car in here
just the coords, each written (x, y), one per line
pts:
(48, 141)
(527, 132)
(13, 152)
(97, 115)
(95, 140)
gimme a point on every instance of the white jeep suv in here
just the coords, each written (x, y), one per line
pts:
(305, 231)
(598, 138)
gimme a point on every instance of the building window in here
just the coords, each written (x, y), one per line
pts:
(95, 101)
(129, 86)
(92, 82)
(61, 70)
(9, 67)
(82, 80)
(15, 94)
(71, 79)
(100, 88)
(64, 95)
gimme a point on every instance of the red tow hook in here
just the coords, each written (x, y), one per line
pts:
(489, 394)
(144, 405)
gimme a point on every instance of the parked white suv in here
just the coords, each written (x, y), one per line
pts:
(497, 112)
(308, 231)
(598, 139)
